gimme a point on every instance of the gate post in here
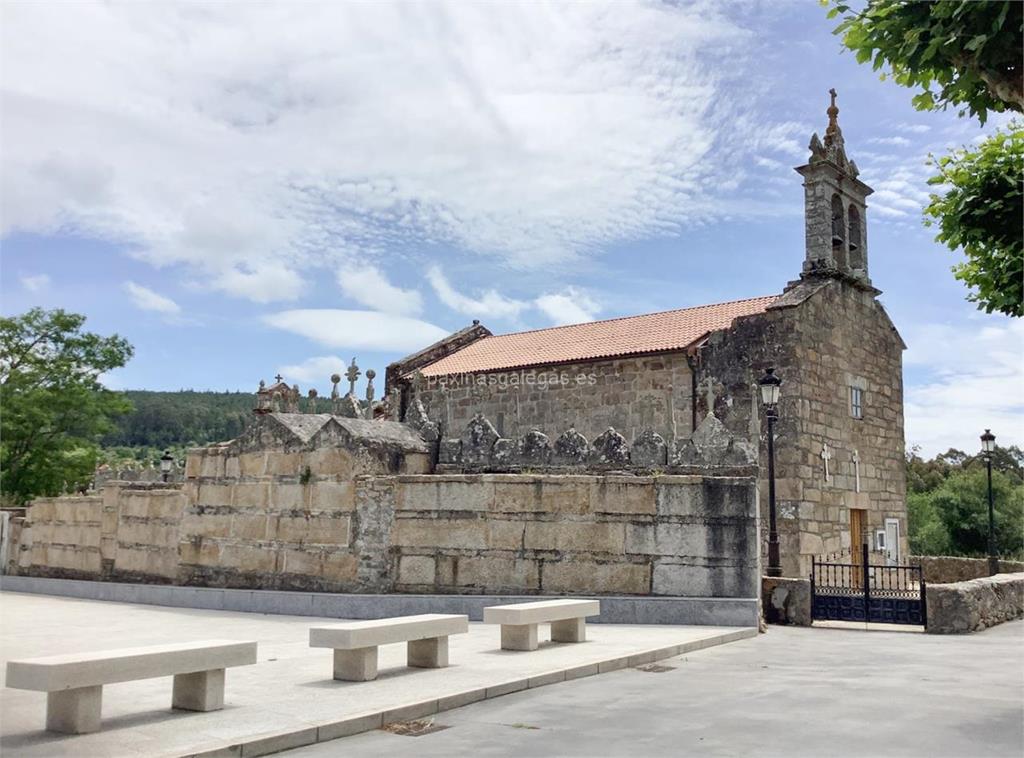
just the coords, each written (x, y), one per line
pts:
(867, 585)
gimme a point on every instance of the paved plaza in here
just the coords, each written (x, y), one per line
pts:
(288, 698)
(790, 692)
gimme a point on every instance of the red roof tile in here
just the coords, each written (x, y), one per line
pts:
(649, 333)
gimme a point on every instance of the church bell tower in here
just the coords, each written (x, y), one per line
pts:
(834, 209)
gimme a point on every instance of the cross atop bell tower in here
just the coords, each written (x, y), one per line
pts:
(834, 208)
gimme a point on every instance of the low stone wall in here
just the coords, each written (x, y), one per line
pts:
(786, 601)
(525, 534)
(943, 569)
(974, 605)
(549, 534)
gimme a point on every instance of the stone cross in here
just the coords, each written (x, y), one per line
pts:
(278, 379)
(352, 374)
(856, 469)
(826, 456)
(707, 386)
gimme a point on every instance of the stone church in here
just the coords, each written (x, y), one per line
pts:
(840, 477)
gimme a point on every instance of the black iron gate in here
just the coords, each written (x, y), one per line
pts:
(860, 592)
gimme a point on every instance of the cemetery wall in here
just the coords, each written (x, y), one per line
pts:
(453, 533)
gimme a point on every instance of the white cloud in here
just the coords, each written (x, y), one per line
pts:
(35, 282)
(570, 306)
(973, 382)
(894, 141)
(357, 330)
(368, 286)
(913, 128)
(316, 370)
(259, 282)
(488, 304)
(148, 300)
(248, 156)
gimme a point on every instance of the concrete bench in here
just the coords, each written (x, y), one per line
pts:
(519, 621)
(355, 644)
(74, 683)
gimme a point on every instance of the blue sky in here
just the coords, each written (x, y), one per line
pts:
(246, 189)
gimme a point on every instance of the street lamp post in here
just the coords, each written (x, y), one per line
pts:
(166, 461)
(988, 447)
(770, 390)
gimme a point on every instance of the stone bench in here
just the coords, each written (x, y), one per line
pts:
(519, 621)
(355, 643)
(74, 683)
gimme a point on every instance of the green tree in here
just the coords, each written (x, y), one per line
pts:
(981, 212)
(966, 54)
(961, 504)
(927, 534)
(958, 52)
(54, 407)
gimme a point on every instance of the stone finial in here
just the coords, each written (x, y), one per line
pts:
(534, 449)
(351, 374)
(649, 450)
(312, 395)
(833, 114)
(348, 407)
(611, 448)
(335, 378)
(571, 449)
(370, 374)
(416, 415)
(478, 440)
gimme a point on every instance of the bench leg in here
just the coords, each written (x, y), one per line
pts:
(199, 691)
(518, 637)
(74, 711)
(428, 654)
(569, 630)
(359, 665)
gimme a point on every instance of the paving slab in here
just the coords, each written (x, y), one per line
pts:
(790, 693)
(288, 699)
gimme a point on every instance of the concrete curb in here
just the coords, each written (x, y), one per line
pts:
(265, 744)
(674, 611)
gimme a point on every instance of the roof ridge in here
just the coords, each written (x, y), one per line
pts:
(624, 318)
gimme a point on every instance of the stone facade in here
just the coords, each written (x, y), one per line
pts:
(839, 437)
(631, 395)
(312, 502)
(974, 605)
(823, 337)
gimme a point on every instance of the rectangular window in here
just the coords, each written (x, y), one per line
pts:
(856, 402)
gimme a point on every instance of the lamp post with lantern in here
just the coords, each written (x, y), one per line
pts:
(166, 462)
(770, 390)
(988, 448)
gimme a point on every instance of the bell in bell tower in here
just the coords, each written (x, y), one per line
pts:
(834, 208)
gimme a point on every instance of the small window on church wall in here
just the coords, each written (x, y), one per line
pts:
(856, 402)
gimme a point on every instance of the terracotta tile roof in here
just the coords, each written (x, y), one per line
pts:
(649, 333)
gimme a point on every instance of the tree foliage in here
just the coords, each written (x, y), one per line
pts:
(947, 503)
(180, 419)
(982, 212)
(54, 407)
(966, 54)
(962, 53)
